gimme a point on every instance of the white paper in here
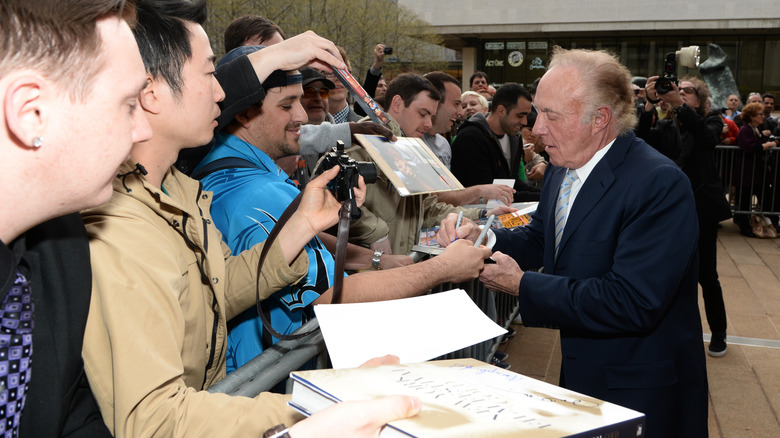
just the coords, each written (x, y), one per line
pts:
(414, 329)
(505, 182)
(493, 203)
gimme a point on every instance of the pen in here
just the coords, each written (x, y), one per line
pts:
(484, 231)
(457, 224)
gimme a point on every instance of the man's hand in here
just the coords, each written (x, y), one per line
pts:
(379, 56)
(357, 418)
(504, 275)
(306, 49)
(537, 172)
(370, 128)
(501, 192)
(388, 359)
(318, 208)
(360, 191)
(673, 97)
(462, 260)
(447, 234)
(501, 209)
(528, 152)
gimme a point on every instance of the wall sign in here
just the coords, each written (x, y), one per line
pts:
(515, 58)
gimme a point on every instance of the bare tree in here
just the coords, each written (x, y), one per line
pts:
(356, 25)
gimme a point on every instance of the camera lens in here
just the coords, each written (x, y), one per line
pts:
(368, 171)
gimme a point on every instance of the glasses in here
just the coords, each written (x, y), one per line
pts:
(688, 90)
(310, 92)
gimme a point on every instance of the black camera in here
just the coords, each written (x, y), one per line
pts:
(664, 84)
(388, 50)
(343, 184)
(774, 139)
(688, 57)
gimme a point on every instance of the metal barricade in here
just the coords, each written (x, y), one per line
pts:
(274, 364)
(750, 180)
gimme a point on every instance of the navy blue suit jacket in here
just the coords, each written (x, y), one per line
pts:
(623, 289)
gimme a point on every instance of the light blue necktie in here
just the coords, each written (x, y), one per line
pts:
(562, 207)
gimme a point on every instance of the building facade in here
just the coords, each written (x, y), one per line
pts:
(511, 40)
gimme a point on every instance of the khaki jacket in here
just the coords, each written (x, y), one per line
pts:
(164, 285)
(386, 213)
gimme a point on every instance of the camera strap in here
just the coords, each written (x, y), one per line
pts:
(288, 212)
(342, 237)
(341, 245)
(240, 163)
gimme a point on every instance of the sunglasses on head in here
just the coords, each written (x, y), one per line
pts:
(310, 92)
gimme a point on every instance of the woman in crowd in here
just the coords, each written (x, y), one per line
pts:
(473, 103)
(689, 138)
(756, 164)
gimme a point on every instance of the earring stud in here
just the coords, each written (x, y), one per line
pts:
(37, 142)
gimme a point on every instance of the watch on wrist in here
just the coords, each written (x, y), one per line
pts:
(376, 259)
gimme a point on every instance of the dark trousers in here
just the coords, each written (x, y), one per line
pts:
(712, 293)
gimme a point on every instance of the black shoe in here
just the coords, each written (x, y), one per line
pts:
(717, 346)
(500, 355)
(500, 363)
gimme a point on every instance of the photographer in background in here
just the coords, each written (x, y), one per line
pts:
(689, 139)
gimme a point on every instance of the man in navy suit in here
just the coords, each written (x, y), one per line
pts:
(620, 279)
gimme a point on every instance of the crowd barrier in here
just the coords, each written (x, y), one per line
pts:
(275, 364)
(750, 181)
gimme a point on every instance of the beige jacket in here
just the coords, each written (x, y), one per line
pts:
(156, 331)
(386, 213)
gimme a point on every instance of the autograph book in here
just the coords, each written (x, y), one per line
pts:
(469, 398)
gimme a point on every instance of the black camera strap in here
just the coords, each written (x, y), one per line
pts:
(342, 237)
(341, 246)
(240, 163)
(288, 212)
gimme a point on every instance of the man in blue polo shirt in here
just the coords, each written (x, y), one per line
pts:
(250, 197)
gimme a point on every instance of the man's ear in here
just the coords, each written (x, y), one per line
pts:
(245, 117)
(25, 107)
(397, 104)
(149, 98)
(601, 118)
(500, 110)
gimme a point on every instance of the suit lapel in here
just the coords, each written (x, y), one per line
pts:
(595, 187)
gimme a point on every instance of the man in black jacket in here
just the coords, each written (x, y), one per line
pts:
(488, 147)
(70, 74)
